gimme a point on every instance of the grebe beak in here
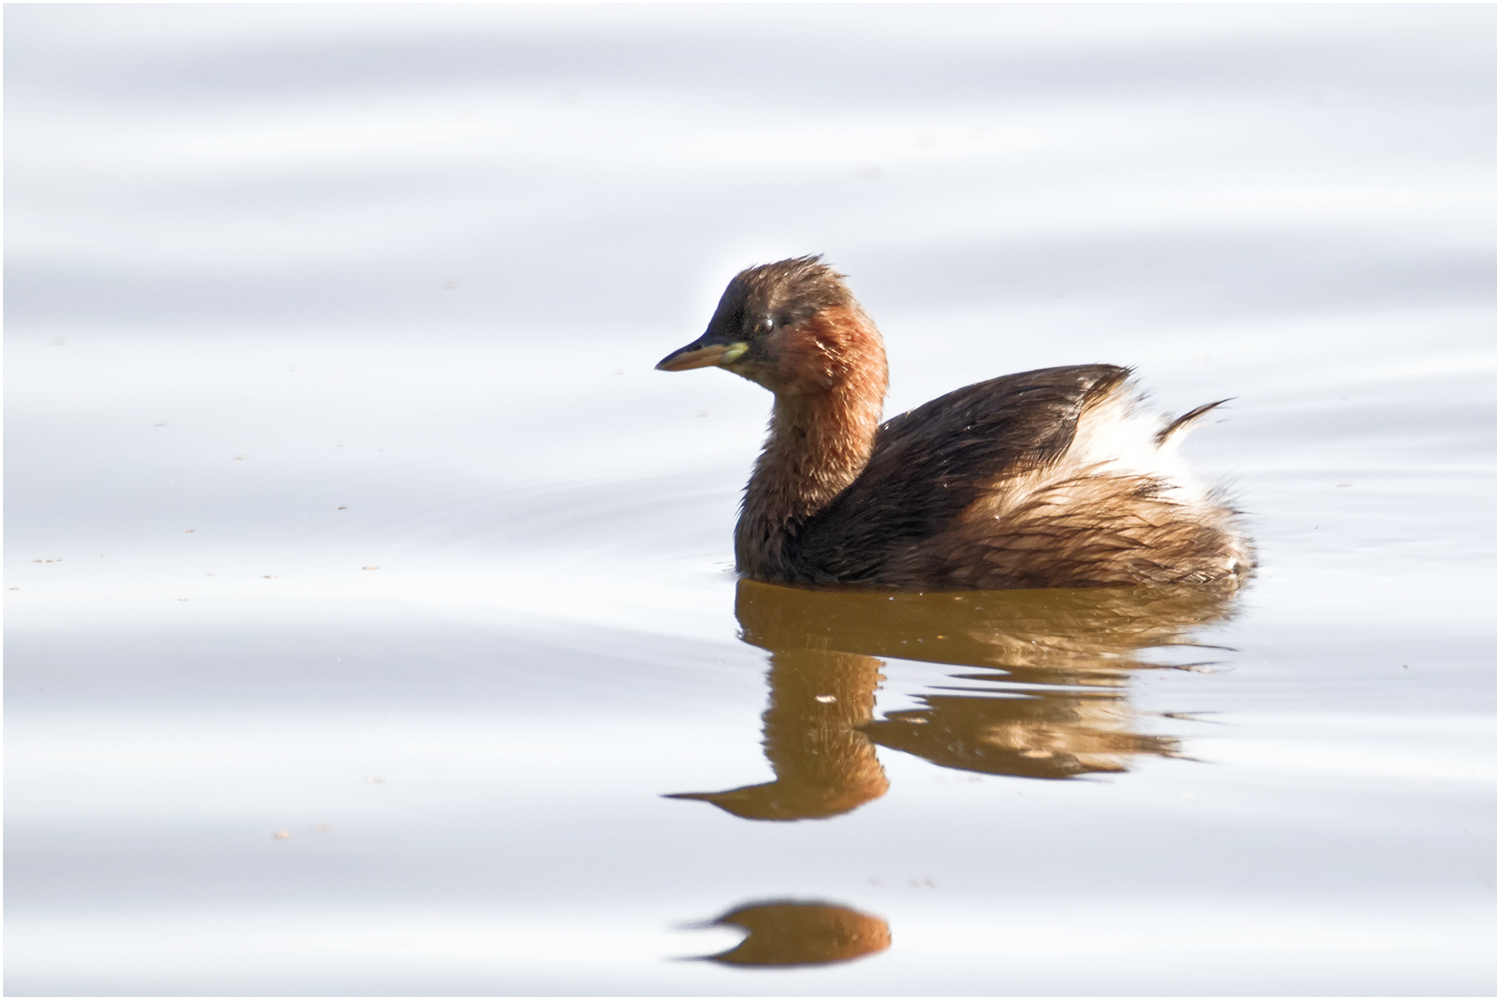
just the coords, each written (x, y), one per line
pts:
(701, 355)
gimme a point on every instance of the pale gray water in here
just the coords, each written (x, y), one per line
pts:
(297, 290)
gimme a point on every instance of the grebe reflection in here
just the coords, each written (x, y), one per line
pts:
(1053, 702)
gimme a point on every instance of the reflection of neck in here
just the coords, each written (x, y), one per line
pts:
(817, 700)
(818, 444)
(824, 765)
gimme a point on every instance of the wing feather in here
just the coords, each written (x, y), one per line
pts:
(932, 463)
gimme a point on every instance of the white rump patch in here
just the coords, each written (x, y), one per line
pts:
(1115, 438)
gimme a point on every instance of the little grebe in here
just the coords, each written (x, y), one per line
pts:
(1048, 478)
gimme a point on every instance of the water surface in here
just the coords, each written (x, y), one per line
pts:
(372, 626)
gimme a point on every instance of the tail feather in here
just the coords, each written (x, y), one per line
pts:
(1181, 423)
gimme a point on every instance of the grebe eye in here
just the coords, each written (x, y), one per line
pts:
(767, 325)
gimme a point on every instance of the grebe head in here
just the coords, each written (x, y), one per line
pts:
(792, 327)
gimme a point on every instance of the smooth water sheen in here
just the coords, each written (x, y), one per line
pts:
(372, 626)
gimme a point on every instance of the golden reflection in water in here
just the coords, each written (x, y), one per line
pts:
(827, 647)
(783, 932)
(824, 765)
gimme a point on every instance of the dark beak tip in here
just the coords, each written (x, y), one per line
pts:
(694, 355)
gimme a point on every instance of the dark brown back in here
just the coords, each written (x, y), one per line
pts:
(931, 463)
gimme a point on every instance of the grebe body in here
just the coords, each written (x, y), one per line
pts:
(1048, 478)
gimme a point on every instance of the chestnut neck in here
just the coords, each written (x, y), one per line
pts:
(821, 434)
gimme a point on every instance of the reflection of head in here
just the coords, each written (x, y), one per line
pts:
(783, 932)
(788, 800)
